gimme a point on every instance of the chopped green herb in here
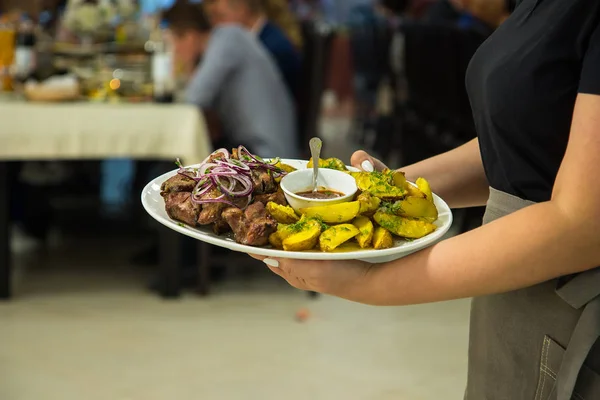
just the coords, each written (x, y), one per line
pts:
(181, 224)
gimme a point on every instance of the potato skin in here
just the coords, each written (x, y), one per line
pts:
(379, 184)
(305, 239)
(330, 163)
(365, 228)
(282, 214)
(276, 241)
(398, 178)
(333, 214)
(382, 239)
(287, 168)
(335, 236)
(413, 191)
(368, 203)
(404, 227)
(424, 187)
(416, 207)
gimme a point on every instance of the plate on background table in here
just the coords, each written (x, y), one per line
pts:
(155, 206)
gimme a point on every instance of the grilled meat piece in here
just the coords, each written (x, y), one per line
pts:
(277, 197)
(211, 212)
(251, 227)
(221, 227)
(234, 218)
(178, 183)
(179, 206)
(263, 181)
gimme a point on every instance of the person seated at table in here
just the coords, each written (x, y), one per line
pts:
(252, 14)
(236, 84)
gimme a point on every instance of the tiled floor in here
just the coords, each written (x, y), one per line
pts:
(83, 327)
(93, 332)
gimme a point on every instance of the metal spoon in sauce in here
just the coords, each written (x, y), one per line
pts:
(315, 150)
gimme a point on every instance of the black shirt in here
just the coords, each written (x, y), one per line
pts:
(523, 82)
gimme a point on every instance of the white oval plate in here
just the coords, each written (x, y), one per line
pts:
(155, 206)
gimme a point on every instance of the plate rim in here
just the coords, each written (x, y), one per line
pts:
(211, 238)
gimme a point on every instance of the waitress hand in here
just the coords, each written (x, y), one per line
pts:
(364, 161)
(346, 279)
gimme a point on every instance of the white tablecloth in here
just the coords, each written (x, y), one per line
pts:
(30, 131)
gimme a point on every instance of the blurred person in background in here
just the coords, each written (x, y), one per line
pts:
(254, 16)
(235, 82)
(445, 11)
(481, 15)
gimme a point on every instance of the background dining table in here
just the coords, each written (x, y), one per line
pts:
(98, 131)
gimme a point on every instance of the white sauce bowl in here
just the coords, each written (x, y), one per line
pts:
(301, 181)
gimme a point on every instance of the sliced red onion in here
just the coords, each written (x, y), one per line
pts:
(202, 189)
(238, 164)
(249, 201)
(187, 174)
(212, 201)
(224, 152)
(217, 181)
(204, 167)
(247, 180)
(224, 171)
(243, 153)
(228, 189)
(265, 166)
(224, 174)
(241, 193)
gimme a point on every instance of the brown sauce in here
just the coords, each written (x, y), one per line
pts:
(321, 194)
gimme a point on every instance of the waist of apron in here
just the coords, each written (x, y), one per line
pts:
(579, 291)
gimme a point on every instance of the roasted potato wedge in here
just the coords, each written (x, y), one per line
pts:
(416, 207)
(368, 203)
(336, 236)
(424, 187)
(311, 162)
(398, 179)
(285, 231)
(306, 237)
(282, 214)
(404, 227)
(388, 192)
(287, 168)
(378, 184)
(275, 240)
(330, 163)
(333, 214)
(413, 191)
(365, 228)
(382, 239)
(335, 163)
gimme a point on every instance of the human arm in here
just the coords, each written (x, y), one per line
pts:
(457, 175)
(539, 243)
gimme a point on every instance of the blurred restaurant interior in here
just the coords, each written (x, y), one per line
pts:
(102, 302)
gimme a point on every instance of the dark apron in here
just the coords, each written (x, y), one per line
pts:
(539, 343)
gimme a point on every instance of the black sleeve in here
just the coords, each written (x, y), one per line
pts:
(590, 73)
